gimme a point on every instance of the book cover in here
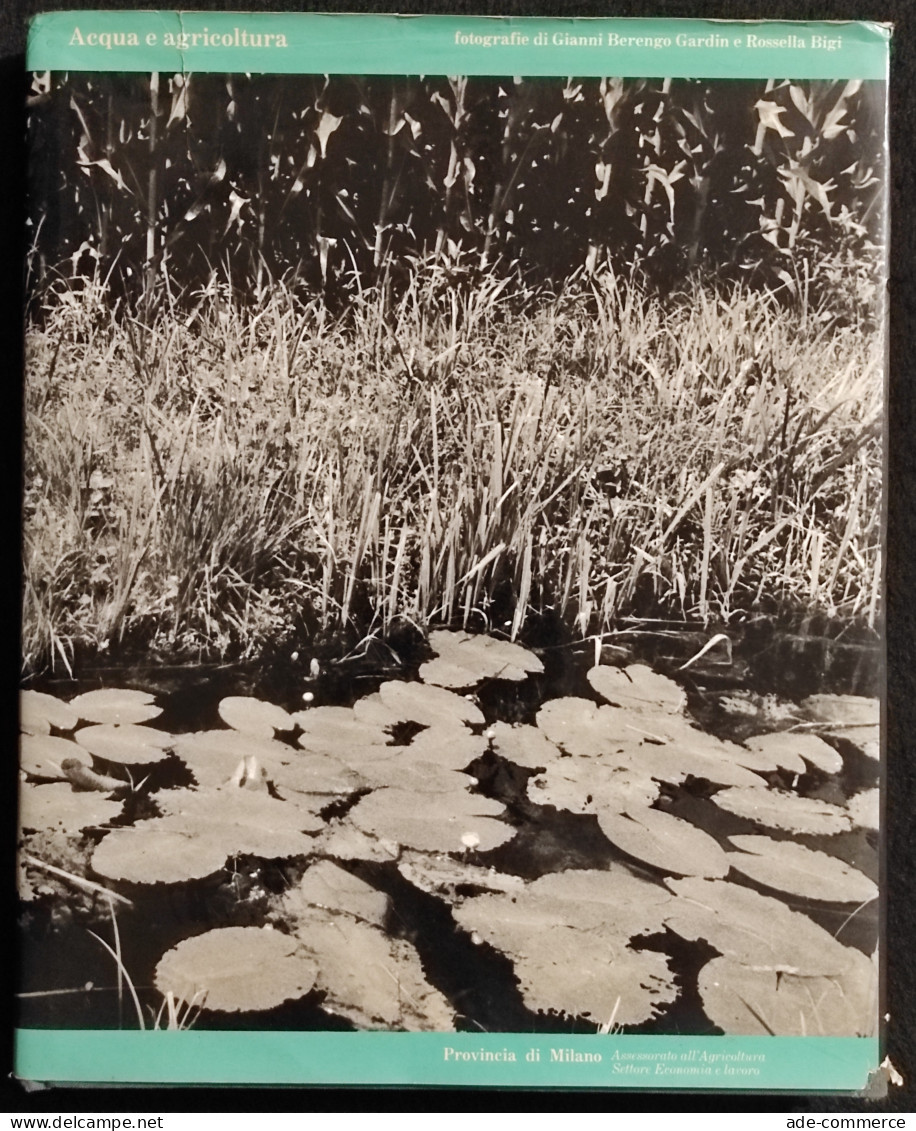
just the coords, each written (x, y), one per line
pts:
(452, 595)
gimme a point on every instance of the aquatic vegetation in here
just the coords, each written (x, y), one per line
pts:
(236, 969)
(329, 490)
(346, 858)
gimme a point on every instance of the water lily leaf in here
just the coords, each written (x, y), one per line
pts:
(465, 660)
(610, 900)
(38, 712)
(853, 717)
(115, 705)
(41, 755)
(749, 1002)
(371, 979)
(445, 822)
(254, 716)
(842, 710)
(57, 806)
(589, 974)
(768, 753)
(315, 773)
(444, 875)
(429, 706)
(332, 730)
(585, 785)
(242, 821)
(402, 772)
(672, 749)
(664, 841)
(754, 929)
(637, 687)
(790, 751)
(567, 935)
(160, 855)
(864, 809)
(236, 969)
(524, 745)
(342, 840)
(370, 709)
(580, 727)
(779, 810)
(212, 755)
(200, 831)
(328, 886)
(785, 866)
(128, 744)
(818, 753)
(450, 746)
(661, 746)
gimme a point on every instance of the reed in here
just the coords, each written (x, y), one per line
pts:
(225, 476)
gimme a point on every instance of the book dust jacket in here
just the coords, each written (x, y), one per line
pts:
(452, 642)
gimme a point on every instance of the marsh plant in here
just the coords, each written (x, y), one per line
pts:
(215, 481)
(321, 354)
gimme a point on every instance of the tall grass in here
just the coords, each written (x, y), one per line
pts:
(216, 477)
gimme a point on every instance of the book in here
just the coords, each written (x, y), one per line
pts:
(452, 620)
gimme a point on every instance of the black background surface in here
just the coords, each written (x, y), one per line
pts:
(900, 836)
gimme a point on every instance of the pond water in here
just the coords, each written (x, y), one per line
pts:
(626, 834)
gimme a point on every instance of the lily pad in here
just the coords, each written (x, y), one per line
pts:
(756, 930)
(331, 888)
(253, 716)
(864, 809)
(41, 755)
(852, 717)
(115, 705)
(581, 727)
(444, 875)
(586, 785)
(665, 747)
(128, 744)
(842, 710)
(242, 821)
(452, 747)
(342, 840)
(444, 822)
(237, 969)
(403, 772)
(567, 934)
(429, 706)
(465, 660)
(334, 730)
(637, 687)
(160, 855)
(664, 841)
(524, 745)
(777, 809)
(56, 806)
(213, 755)
(39, 712)
(315, 774)
(768, 753)
(790, 751)
(372, 979)
(788, 867)
(367, 975)
(750, 1002)
(371, 709)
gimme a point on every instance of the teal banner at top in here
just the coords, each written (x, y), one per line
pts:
(305, 43)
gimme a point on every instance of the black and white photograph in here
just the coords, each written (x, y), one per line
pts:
(453, 554)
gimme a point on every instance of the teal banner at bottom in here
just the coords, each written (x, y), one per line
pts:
(800, 1064)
